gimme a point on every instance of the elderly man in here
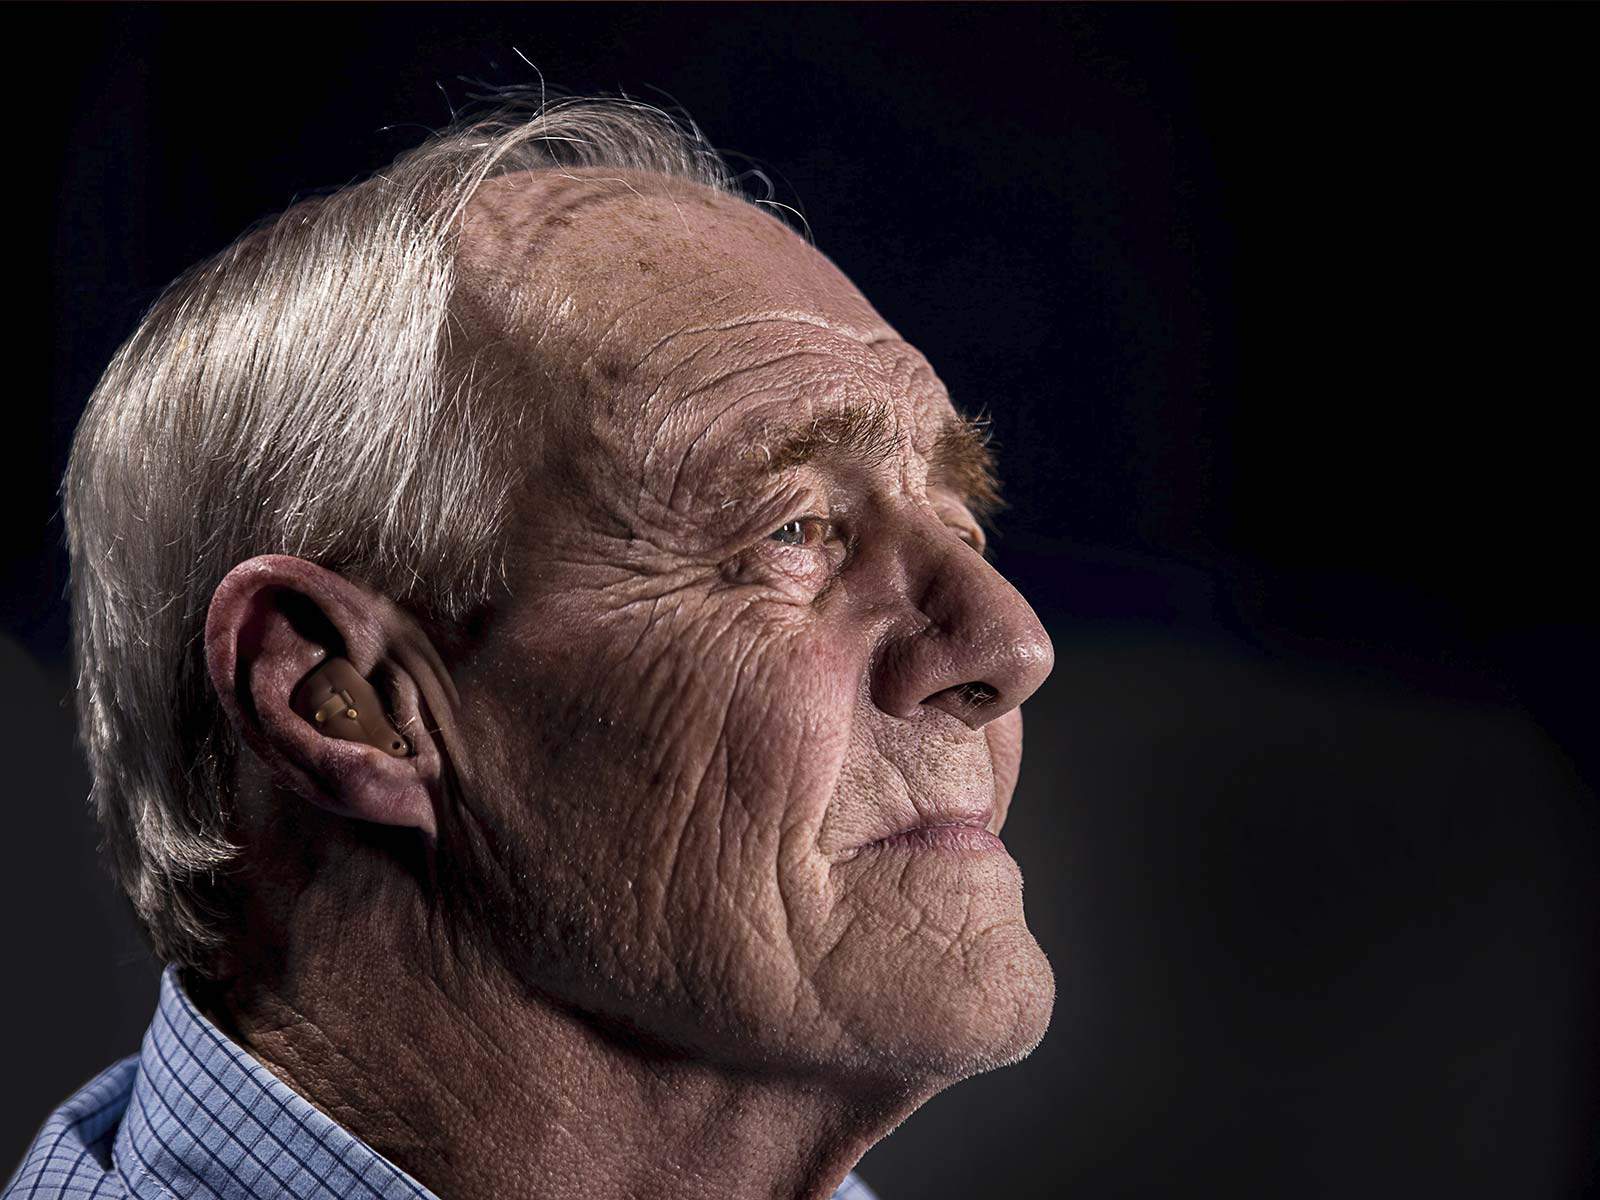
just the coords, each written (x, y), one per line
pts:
(547, 699)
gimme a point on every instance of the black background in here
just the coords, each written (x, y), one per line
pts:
(1284, 317)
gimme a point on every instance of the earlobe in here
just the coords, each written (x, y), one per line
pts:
(344, 705)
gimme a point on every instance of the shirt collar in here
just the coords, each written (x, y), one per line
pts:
(206, 1120)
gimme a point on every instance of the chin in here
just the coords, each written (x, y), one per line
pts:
(995, 1011)
(935, 1019)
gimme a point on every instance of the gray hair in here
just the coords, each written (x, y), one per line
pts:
(292, 395)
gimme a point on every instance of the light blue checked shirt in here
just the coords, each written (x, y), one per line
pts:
(194, 1116)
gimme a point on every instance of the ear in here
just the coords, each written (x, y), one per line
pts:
(273, 620)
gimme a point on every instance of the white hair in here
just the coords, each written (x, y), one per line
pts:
(292, 395)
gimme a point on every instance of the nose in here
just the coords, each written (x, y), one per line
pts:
(976, 649)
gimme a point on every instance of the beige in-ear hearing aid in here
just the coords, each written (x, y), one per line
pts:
(344, 705)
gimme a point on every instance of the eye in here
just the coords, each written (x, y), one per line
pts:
(967, 530)
(804, 532)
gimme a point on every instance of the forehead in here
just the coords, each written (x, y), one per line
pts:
(648, 310)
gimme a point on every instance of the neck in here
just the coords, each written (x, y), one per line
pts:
(480, 1088)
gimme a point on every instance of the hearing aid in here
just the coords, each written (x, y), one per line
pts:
(343, 705)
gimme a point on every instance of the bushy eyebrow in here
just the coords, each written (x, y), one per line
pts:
(864, 433)
(961, 458)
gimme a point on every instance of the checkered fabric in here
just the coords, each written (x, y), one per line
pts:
(193, 1116)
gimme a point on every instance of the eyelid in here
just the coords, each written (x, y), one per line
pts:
(828, 526)
(977, 541)
(969, 529)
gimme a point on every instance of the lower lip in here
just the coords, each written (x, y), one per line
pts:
(941, 837)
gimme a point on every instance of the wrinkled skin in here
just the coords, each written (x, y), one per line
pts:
(651, 786)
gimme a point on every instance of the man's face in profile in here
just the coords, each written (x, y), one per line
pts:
(754, 641)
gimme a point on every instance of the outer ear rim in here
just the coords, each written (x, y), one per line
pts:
(342, 764)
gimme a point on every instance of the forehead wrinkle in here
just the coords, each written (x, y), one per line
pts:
(667, 411)
(867, 430)
(644, 302)
(673, 403)
(725, 377)
(663, 402)
(757, 358)
(686, 453)
(798, 317)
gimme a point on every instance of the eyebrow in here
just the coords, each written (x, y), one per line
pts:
(961, 458)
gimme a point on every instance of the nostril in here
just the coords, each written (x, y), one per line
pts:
(973, 703)
(972, 695)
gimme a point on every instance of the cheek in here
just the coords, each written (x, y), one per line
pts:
(762, 760)
(698, 714)
(736, 889)
(786, 726)
(675, 770)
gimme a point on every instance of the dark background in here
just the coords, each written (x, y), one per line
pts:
(1279, 314)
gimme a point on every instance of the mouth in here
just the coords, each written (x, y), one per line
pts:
(953, 835)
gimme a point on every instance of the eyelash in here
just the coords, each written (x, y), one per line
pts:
(826, 527)
(822, 523)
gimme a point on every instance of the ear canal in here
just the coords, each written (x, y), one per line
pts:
(344, 705)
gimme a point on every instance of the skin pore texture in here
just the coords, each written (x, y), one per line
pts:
(633, 921)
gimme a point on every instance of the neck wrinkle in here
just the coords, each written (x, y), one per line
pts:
(482, 1090)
